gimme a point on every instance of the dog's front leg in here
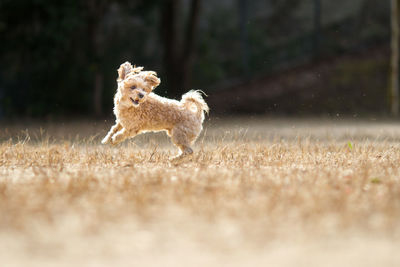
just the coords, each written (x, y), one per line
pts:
(121, 135)
(110, 133)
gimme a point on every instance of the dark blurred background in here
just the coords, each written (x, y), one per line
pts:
(284, 57)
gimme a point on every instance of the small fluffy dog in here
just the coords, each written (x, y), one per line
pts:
(138, 110)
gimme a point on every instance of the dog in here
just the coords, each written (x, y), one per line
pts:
(137, 110)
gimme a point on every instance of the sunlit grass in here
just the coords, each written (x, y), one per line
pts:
(247, 186)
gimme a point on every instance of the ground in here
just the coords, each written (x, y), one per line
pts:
(257, 192)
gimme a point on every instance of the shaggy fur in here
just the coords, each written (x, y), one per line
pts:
(138, 110)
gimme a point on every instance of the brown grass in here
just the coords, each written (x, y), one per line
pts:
(257, 192)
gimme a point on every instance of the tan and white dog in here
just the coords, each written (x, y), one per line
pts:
(137, 109)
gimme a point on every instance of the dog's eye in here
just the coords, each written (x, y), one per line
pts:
(133, 87)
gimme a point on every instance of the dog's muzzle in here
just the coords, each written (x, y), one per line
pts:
(135, 102)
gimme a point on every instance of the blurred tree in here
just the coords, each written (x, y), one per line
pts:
(394, 92)
(178, 47)
(59, 57)
(242, 7)
(37, 45)
(95, 13)
(55, 55)
(317, 27)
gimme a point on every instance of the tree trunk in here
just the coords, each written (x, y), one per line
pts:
(242, 6)
(178, 52)
(97, 95)
(394, 90)
(317, 28)
(187, 57)
(170, 42)
(96, 10)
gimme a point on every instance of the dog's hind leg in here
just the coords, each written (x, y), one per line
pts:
(181, 140)
(110, 133)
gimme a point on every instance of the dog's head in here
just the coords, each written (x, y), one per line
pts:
(134, 84)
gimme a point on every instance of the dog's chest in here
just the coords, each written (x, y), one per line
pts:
(136, 117)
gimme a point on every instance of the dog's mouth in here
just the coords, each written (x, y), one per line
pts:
(135, 102)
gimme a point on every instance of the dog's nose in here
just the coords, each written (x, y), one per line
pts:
(141, 95)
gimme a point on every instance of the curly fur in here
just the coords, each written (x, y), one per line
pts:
(138, 109)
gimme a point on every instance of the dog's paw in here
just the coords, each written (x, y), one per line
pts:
(181, 158)
(105, 140)
(116, 139)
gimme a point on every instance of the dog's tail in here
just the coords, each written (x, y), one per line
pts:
(194, 97)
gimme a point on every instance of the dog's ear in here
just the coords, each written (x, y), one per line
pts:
(152, 80)
(124, 70)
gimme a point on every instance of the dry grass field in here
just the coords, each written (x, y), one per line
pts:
(257, 192)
